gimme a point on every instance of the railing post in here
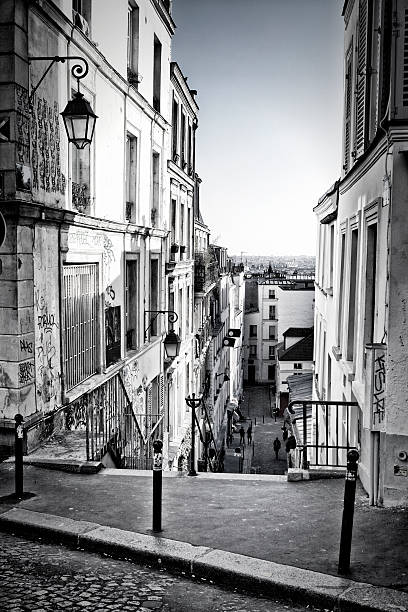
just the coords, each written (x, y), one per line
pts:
(348, 512)
(18, 454)
(304, 438)
(157, 484)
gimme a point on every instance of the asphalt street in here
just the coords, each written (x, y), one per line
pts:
(39, 577)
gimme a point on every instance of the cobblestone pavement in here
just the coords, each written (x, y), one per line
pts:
(40, 577)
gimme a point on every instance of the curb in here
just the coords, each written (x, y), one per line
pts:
(255, 575)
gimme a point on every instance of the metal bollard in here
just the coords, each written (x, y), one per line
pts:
(348, 512)
(157, 484)
(18, 454)
(255, 420)
(263, 418)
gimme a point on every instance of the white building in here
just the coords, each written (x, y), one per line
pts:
(273, 303)
(361, 325)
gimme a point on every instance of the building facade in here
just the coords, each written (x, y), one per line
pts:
(273, 303)
(361, 331)
(86, 243)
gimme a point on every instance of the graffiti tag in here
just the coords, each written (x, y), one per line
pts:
(379, 390)
(26, 372)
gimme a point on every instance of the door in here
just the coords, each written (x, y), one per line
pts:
(251, 374)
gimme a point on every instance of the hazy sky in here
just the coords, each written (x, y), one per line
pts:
(270, 92)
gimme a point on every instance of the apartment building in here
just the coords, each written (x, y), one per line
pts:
(86, 244)
(273, 303)
(361, 330)
(180, 267)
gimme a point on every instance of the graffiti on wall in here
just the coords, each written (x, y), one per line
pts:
(46, 351)
(45, 147)
(378, 389)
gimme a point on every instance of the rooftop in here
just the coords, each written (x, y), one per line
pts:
(300, 351)
(297, 332)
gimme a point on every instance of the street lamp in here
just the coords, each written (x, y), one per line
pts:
(79, 120)
(225, 375)
(193, 402)
(172, 344)
(172, 341)
(78, 116)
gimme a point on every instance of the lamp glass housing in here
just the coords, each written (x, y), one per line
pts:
(79, 120)
(172, 344)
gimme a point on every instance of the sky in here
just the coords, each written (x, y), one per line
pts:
(270, 92)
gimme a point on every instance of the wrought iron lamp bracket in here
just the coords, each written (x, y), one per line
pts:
(171, 316)
(77, 71)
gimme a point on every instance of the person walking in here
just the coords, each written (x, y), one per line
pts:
(249, 434)
(276, 447)
(242, 436)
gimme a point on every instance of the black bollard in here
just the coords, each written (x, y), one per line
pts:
(263, 418)
(348, 512)
(255, 420)
(18, 454)
(157, 484)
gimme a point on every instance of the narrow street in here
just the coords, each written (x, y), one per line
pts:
(39, 577)
(257, 407)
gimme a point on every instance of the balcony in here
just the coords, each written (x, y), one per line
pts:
(205, 272)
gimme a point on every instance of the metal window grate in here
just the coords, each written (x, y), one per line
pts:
(80, 322)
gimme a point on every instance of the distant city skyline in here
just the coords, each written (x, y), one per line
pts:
(270, 92)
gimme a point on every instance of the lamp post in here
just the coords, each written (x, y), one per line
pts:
(172, 341)
(193, 402)
(78, 116)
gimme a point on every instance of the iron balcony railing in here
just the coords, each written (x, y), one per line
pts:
(205, 271)
(106, 413)
(324, 431)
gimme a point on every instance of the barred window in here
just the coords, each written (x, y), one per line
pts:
(80, 312)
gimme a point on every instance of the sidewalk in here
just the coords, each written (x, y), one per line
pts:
(291, 526)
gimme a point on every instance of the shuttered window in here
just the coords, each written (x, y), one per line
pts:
(347, 108)
(405, 84)
(363, 76)
(80, 322)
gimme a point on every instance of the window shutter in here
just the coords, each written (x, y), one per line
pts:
(363, 73)
(347, 108)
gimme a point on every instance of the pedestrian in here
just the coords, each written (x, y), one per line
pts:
(285, 433)
(276, 447)
(290, 446)
(249, 434)
(242, 436)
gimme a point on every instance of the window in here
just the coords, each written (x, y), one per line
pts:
(189, 254)
(271, 294)
(253, 331)
(175, 130)
(364, 76)
(371, 269)
(271, 352)
(188, 311)
(131, 312)
(331, 263)
(155, 187)
(347, 108)
(81, 15)
(183, 139)
(131, 177)
(173, 221)
(133, 43)
(157, 50)
(182, 225)
(352, 296)
(154, 294)
(272, 312)
(252, 351)
(272, 332)
(190, 149)
(112, 335)
(80, 315)
(341, 289)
